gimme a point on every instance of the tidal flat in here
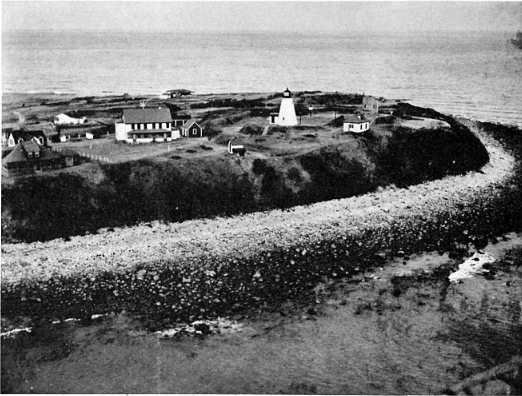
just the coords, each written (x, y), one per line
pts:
(403, 328)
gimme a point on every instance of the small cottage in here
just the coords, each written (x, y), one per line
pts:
(29, 157)
(145, 125)
(191, 129)
(355, 124)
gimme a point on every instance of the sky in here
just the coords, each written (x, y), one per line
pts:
(301, 16)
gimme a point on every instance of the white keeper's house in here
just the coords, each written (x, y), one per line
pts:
(355, 124)
(146, 125)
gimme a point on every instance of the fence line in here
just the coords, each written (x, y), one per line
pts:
(95, 157)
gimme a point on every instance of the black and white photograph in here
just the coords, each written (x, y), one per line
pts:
(261, 197)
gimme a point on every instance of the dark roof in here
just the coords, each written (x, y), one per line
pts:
(31, 146)
(147, 115)
(189, 123)
(49, 154)
(27, 134)
(179, 90)
(68, 153)
(17, 155)
(354, 120)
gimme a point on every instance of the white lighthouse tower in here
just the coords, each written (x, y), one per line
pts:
(286, 116)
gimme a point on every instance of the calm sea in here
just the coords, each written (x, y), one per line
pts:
(471, 74)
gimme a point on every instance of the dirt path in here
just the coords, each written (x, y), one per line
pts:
(244, 235)
(21, 119)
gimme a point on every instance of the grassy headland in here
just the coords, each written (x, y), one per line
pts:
(196, 178)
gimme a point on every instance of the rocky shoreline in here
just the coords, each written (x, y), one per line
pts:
(243, 236)
(258, 254)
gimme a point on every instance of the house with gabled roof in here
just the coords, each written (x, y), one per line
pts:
(191, 129)
(30, 157)
(145, 125)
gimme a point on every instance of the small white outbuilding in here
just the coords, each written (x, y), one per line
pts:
(355, 124)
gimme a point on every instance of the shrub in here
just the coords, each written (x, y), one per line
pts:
(252, 129)
(210, 131)
(337, 99)
(259, 166)
(261, 112)
(337, 122)
(388, 120)
(334, 176)
(295, 175)
(277, 128)
(413, 157)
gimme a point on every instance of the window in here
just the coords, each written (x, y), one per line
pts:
(194, 131)
(350, 126)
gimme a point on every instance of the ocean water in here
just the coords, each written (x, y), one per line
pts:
(472, 74)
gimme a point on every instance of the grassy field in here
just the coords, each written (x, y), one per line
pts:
(39, 111)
